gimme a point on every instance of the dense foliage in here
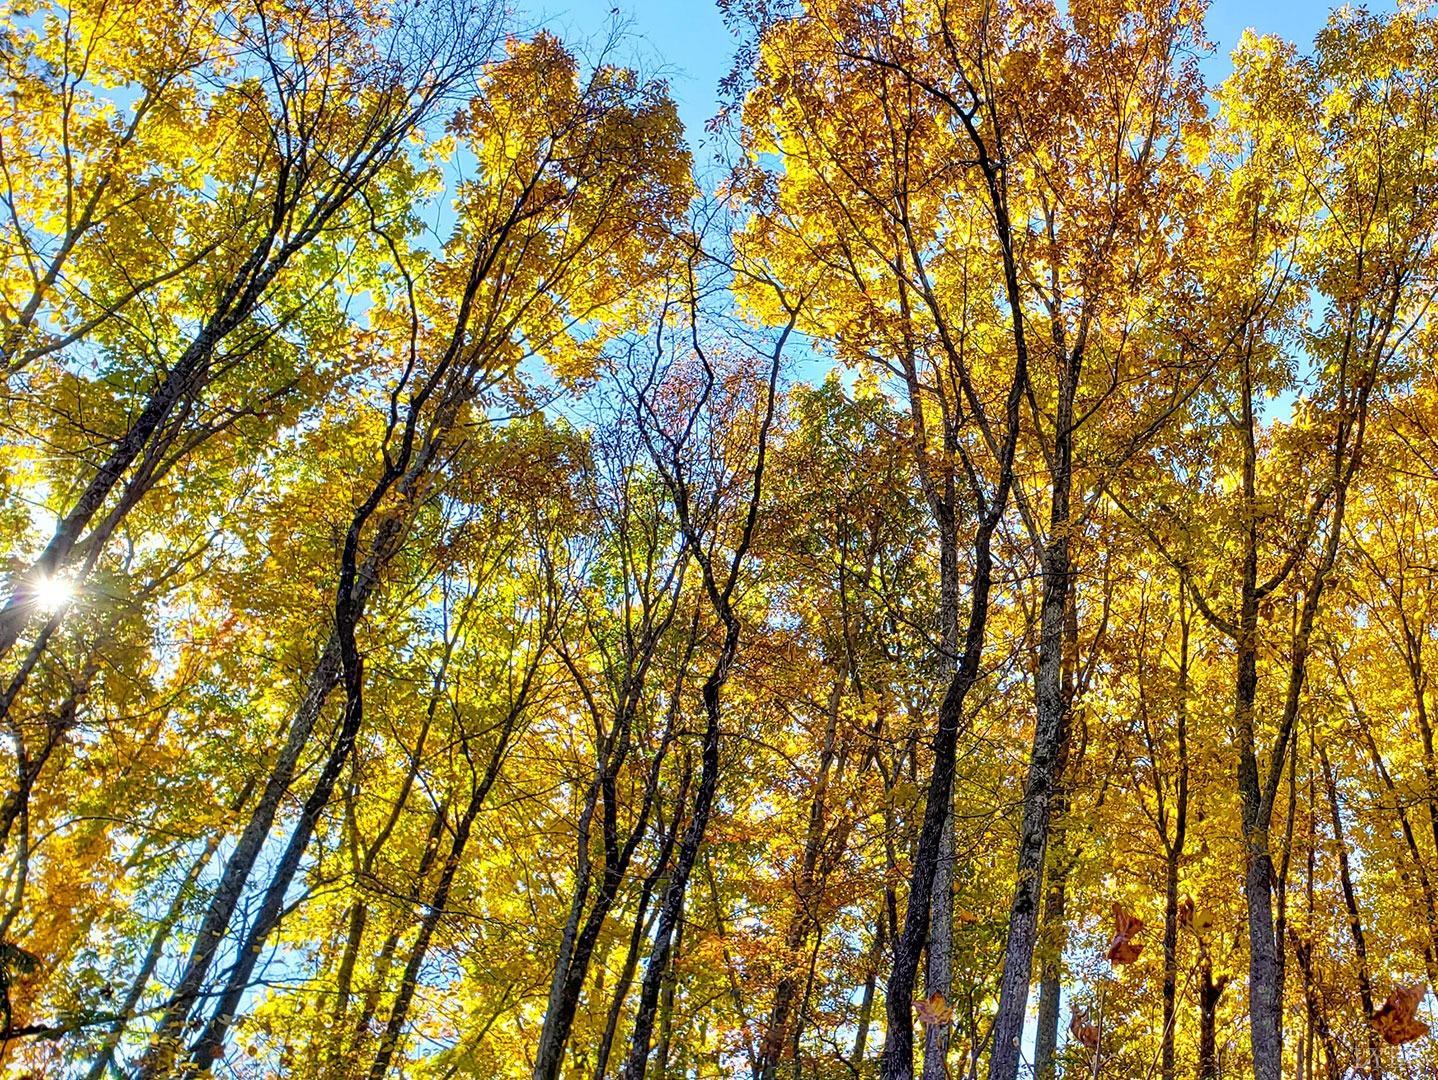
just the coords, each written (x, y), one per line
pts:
(948, 588)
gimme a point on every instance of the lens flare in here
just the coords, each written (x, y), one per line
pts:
(52, 593)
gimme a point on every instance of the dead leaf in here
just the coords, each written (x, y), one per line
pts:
(1123, 949)
(1083, 1030)
(934, 1011)
(1395, 1020)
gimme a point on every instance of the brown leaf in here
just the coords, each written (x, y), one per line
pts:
(934, 1011)
(1123, 949)
(1083, 1030)
(1395, 1020)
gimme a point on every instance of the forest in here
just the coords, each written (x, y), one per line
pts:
(933, 576)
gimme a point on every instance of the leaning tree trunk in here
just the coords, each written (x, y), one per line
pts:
(671, 909)
(439, 899)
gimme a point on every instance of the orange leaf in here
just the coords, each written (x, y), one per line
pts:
(1083, 1030)
(934, 1011)
(1395, 1020)
(1122, 949)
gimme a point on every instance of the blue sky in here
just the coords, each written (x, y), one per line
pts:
(686, 40)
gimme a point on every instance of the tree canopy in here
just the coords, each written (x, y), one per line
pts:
(944, 587)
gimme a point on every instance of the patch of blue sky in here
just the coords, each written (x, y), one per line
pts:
(689, 45)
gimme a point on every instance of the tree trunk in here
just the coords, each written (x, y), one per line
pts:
(1210, 991)
(808, 892)
(1355, 920)
(435, 909)
(1173, 853)
(666, 1006)
(105, 1058)
(165, 1039)
(897, 1060)
(1050, 983)
(671, 909)
(641, 925)
(578, 944)
(866, 1002)
(1039, 788)
(1170, 962)
(938, 976)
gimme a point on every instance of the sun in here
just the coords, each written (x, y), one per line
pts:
(52, 593)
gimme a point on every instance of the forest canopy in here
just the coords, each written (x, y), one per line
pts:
(938, 579)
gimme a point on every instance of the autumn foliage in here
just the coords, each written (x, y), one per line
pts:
(939, 579)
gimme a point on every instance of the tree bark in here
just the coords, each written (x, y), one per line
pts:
(577, 945)
(1210, 991)
(938, 975)
(435, 908)
(866, 1002)
(1355, 919)
(668, 837)
(1050, 983)
(1044, 757)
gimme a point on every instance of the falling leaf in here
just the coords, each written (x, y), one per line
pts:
(1395, 1020)
(1122, 949)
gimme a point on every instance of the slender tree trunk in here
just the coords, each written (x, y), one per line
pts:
(211, 1041)
(1426, 889)
(435, 908)
(359, 911)
(1264, 1002)
(1315, 1011)
(642, 924)
(226, 898)
(344, 979)
(385, 960)
(1044, 758)
(105, 1058)
(721, 595)
(357, 578)
(866, 1002)
(808, 892)
(1050, 982)
(671, 909)
(1173, 853)
(563, 991)
(1170, 964)
(897, 1059)
(896, 1062)
(1210, 992)
(1056, 902)
(579, 941)
(938, 976)
(1355, 920)
(1280, 926)
(666, 1006)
